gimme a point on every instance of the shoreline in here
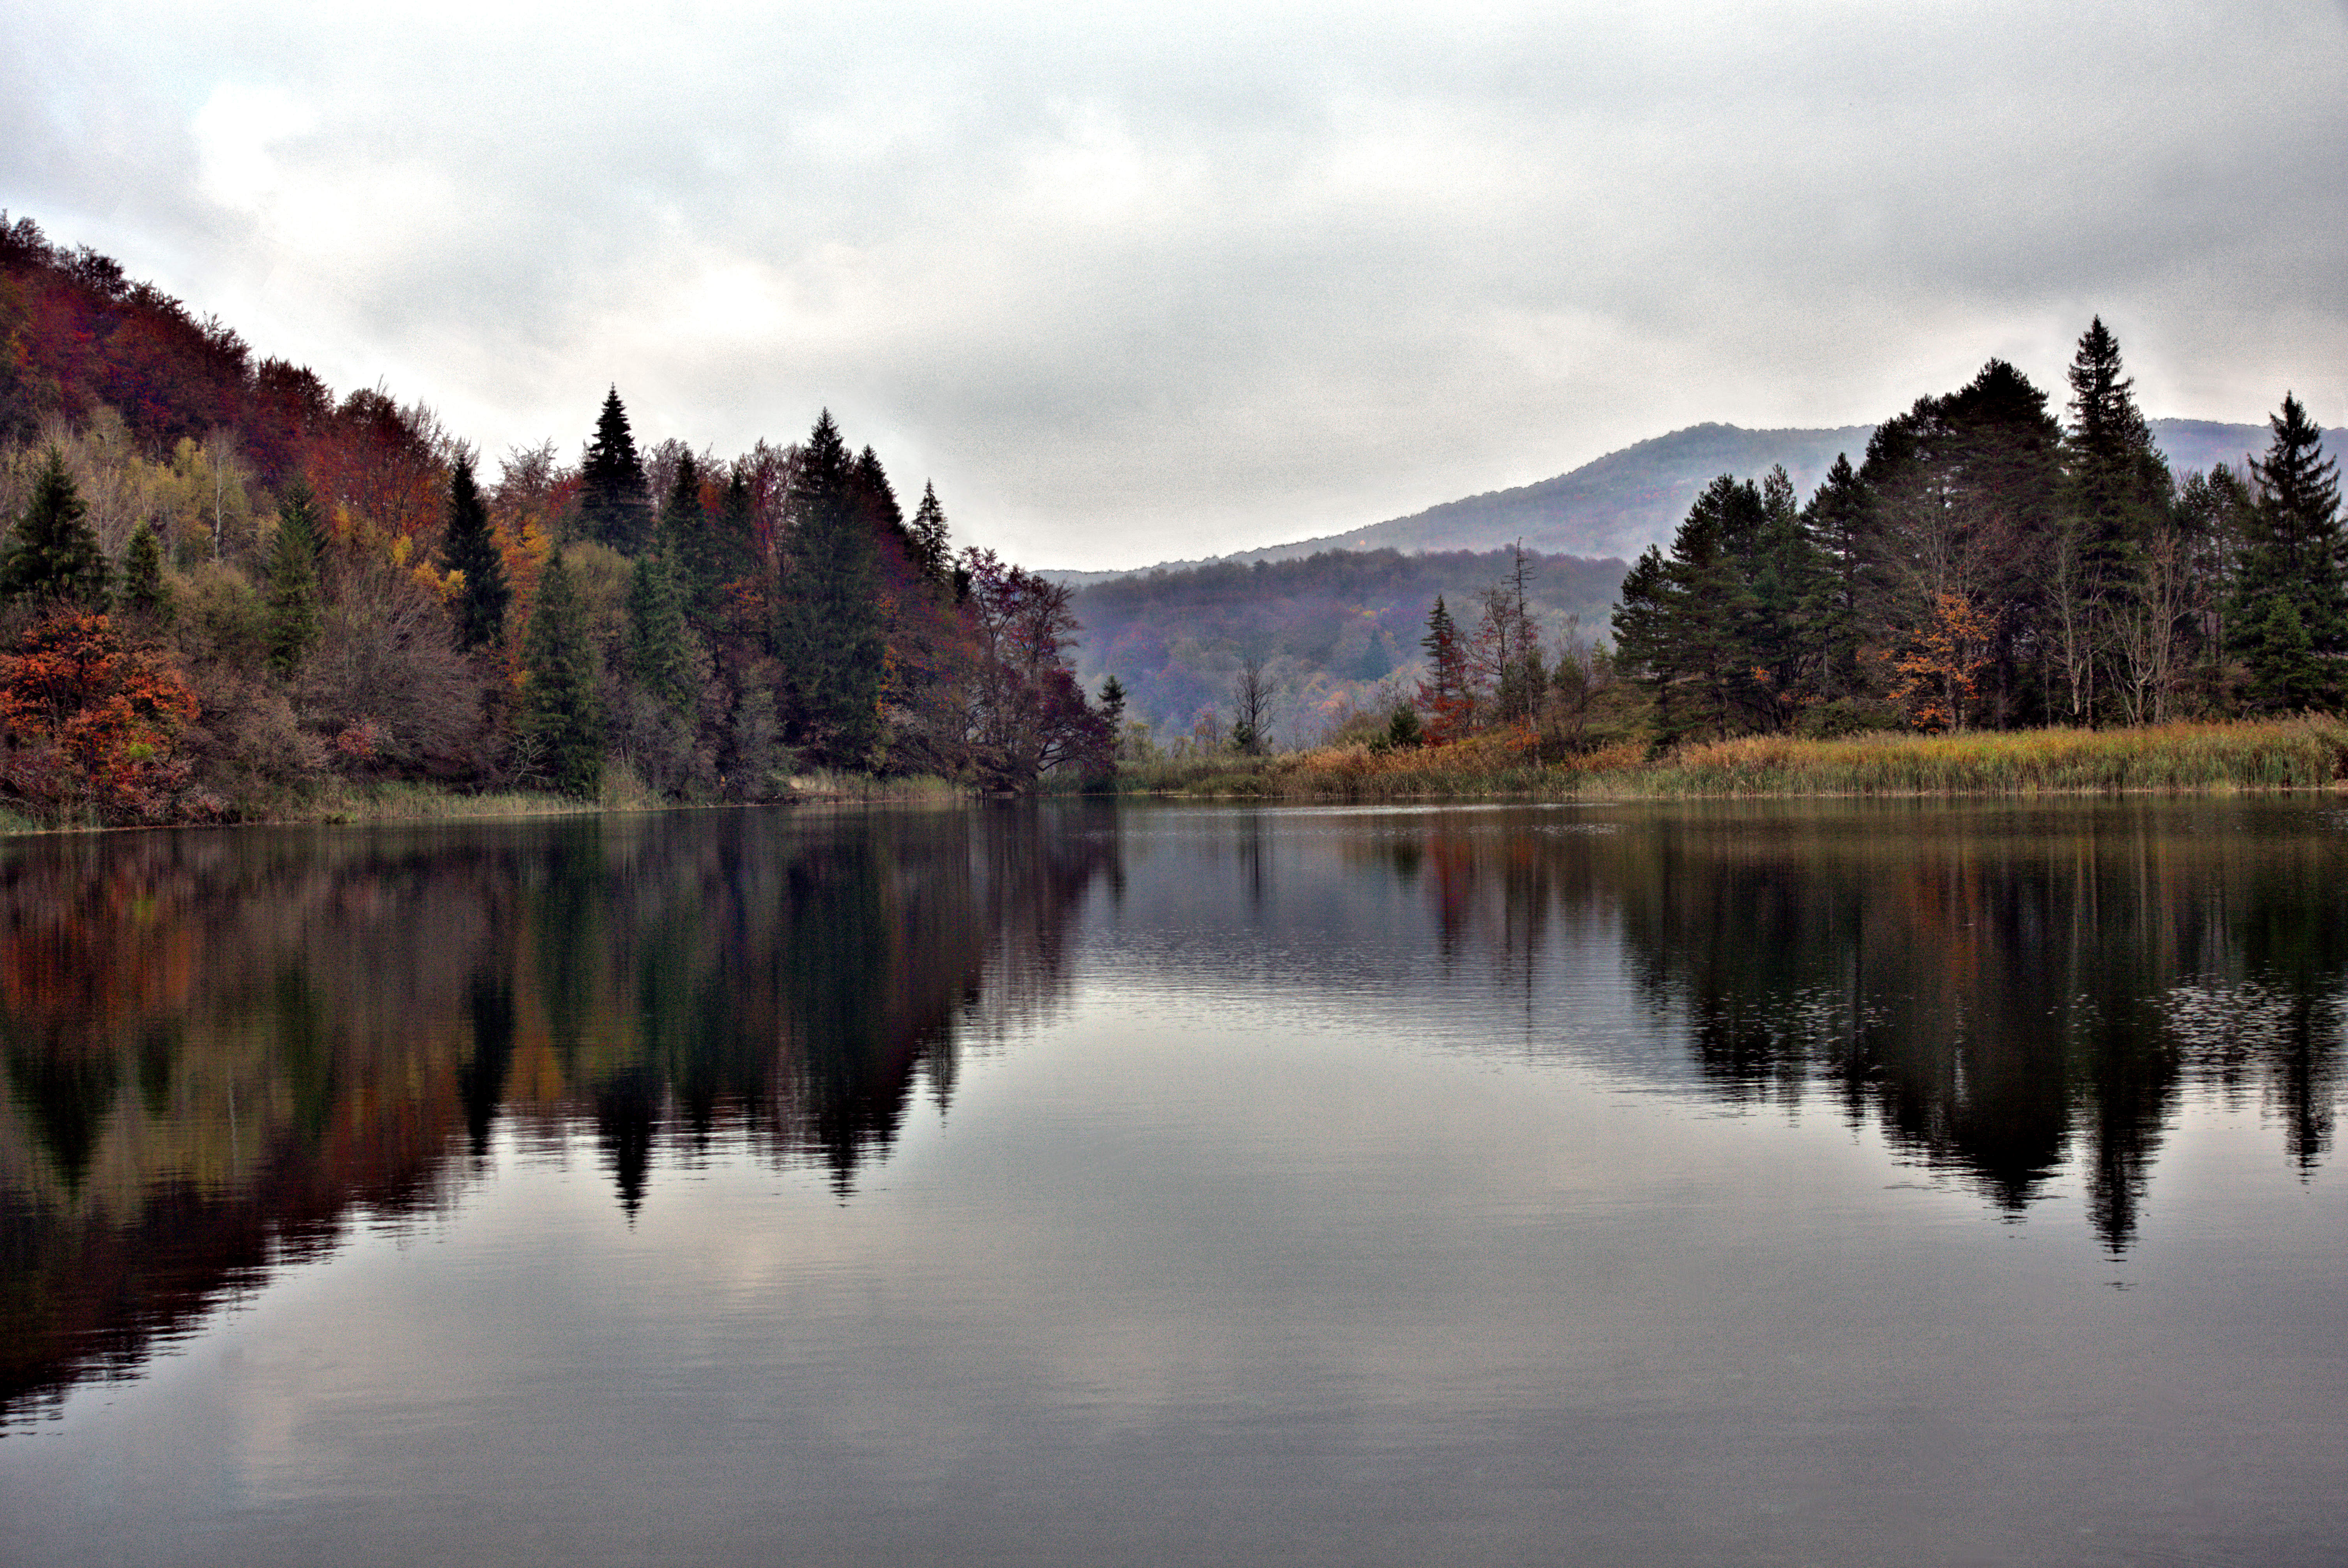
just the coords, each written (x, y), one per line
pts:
(2307, 755)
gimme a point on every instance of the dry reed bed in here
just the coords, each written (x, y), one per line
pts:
(2286, 753)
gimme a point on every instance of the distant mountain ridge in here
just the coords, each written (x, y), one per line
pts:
(1620, 504)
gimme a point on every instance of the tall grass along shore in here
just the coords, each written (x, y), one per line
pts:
(2303, 754)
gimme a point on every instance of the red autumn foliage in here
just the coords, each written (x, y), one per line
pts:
(88, 723)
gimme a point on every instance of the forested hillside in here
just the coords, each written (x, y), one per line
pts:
(1330, 632)
(1989, 563)
(223, 588)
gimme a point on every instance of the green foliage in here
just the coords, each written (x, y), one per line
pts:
(144, 591)
(2292, 559)
(828, 628)
(53, 555)
(660, 655)
(614, 507)
(468, 546)
(689, 538)
(561, 717)
(933, 547)
(294, 616)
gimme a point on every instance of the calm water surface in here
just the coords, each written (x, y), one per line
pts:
(1027, 1185)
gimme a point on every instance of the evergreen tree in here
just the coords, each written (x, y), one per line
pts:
(144, 591)
(734, 554)
(876, 500)
(559, 709)
(2294, 553)
(1112, 703)
(2287, 675)
(1690, 626)
(660, 656)
(689, 539)
(1446, 692)
(52, 553)
(613, 505)
(1842, 587)
(932, 549)
(2119, 483)
(2116, 499)
(828, 627)
(294, 617)
(471, 548)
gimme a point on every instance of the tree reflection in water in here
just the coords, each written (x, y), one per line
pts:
(222, 1047)
(2003, 989)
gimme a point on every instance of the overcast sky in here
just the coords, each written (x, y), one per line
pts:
(1146, 282)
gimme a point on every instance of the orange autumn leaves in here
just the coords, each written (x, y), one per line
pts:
(91, 724)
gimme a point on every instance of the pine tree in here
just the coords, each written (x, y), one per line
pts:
(1112, 703)
(1691, 626)
(614, 506)
(1446, 692)
(828, 628)
(2115, 498)
(471, 548)
(559, 709)
(932, 549)
(689, 539)
(294, 618)
(660, 657)
(52, 553)
(1843, 587)
(2294, 553)
(144, 591)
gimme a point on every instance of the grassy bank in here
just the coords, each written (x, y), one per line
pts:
(345, 801)
(2286, 753)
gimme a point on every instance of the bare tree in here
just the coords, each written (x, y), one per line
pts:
(1251, 707)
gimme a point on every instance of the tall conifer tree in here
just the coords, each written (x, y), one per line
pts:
(52, 553)
(144, 591)
(294, 616)
(469, 548)
(828, 631)
(2294, 553)
(561, 711)
(659, 657)
(933, 549)
(614, 507)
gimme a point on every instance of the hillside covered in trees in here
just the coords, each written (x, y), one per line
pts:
(1330, 635)
(1989, 565)
(223, 586)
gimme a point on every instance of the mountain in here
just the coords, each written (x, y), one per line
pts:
(1620, 504)
(1332, 618)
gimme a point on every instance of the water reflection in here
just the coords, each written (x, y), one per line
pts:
(220, 1047)
(2002, 988)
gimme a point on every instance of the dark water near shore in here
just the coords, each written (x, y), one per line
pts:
(1755, 1185)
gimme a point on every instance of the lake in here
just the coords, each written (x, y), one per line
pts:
(1700, 1184)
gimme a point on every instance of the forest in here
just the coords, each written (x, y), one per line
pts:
(1331, 634)
(1986, 565)
(226, 588)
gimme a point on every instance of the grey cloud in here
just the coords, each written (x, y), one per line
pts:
(1188, 279)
